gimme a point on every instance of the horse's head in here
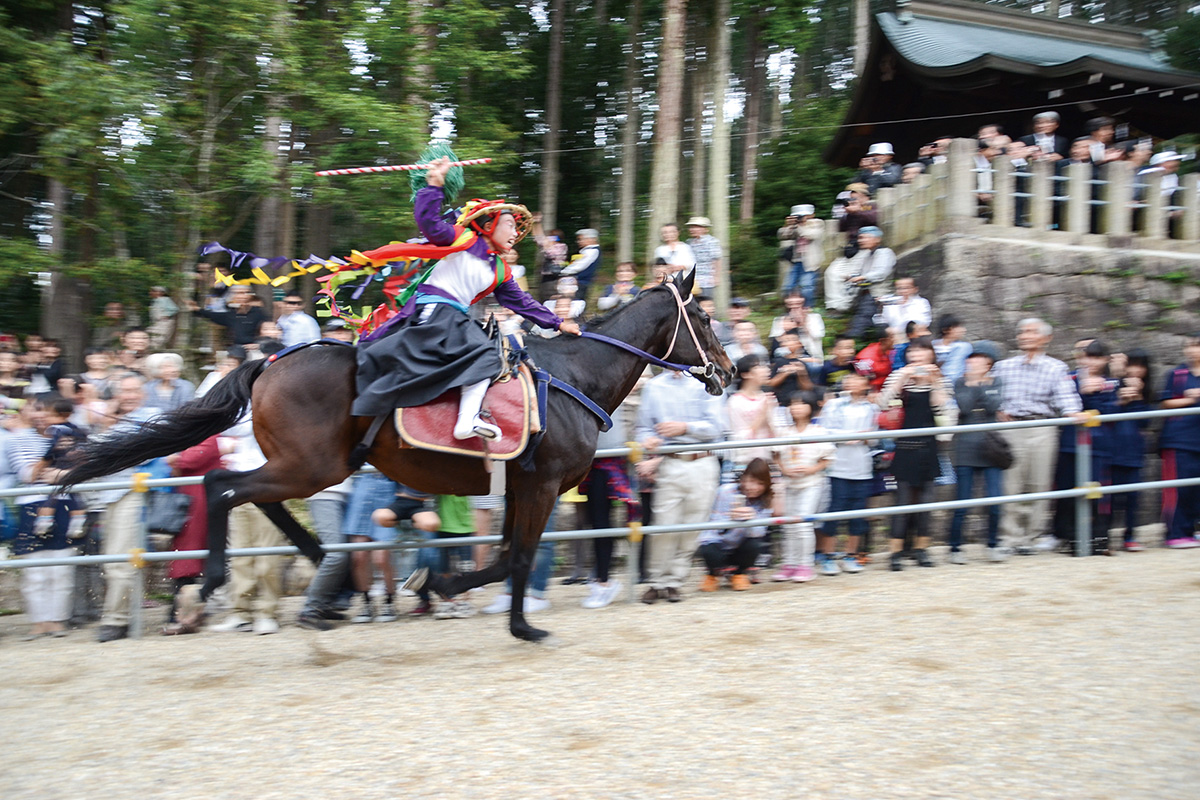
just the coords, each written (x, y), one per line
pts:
(695, 344)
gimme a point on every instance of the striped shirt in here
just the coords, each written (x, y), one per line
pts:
(1037, 387)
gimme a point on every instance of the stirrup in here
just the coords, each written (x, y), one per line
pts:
(480, 428)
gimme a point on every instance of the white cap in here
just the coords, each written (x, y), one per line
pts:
(802, 210)
(1164, 157)
(881, 149)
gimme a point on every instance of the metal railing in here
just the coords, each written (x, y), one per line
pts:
(1086, 489)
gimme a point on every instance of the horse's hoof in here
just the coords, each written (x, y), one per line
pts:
(529, 634)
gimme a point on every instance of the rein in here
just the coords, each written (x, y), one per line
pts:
(706, 371)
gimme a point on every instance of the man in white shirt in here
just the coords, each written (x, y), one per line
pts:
(297, 326)
(910, 307)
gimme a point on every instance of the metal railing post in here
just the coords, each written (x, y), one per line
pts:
(635, 558)
(1083, 476)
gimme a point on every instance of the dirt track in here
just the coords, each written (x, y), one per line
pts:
(1046, 677)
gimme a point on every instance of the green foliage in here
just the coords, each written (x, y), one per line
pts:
(1183, 43)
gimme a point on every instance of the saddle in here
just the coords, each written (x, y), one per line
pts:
(511, 403)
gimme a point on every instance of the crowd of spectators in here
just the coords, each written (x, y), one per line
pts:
(856, 351)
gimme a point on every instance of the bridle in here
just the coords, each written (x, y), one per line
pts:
(708, 370)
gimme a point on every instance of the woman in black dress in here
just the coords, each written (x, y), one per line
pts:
(925, 394)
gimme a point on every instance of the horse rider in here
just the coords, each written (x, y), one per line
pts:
(432, 345)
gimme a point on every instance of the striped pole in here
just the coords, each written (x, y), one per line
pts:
(398, 167)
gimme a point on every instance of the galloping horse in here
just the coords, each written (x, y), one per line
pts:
(303, 424)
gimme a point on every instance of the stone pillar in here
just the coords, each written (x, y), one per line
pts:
(961, 204)
(1189, 223)
(1040, 186)
(1003, 184)
(1154, 215)
(1116, 217)
(886, 205)
(1079, 193)
(923, 217)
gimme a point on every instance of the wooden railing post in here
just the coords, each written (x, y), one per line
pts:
(1116, 217)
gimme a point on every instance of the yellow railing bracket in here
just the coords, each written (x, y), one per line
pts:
(139, 481)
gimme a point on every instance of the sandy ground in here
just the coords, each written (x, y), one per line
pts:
(1047, 677)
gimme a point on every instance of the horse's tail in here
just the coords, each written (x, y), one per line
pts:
(168, 433)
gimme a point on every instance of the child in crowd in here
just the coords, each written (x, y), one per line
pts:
(803, 467)
(951, 347)
(64, 437)
(738, 548)
(851, 473)
(830, 374)
(1128, 440)
(412, 511)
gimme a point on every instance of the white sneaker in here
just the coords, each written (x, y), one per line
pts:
(502, 603)
(1048, 543)
(534, 604)
(266, 625)
(958, 557)
(234, 622)
(998, 554)
(602, 595)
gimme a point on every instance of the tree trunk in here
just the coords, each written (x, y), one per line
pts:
(420, 81)
(862, 34)
(754, 103)
(699, 84)
(718, 172)
(548, 195)
(629, 137)
(664, 178)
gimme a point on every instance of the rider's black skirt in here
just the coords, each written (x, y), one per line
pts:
(436, 349)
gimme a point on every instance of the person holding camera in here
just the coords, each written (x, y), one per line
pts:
(877, 170)
(925, 394)
(800, 246)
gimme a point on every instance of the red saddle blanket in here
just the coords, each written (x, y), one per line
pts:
(512, 403)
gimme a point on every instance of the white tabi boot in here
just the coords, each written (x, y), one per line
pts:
(469, 422)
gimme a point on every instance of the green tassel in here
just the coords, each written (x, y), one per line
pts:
(454, 178)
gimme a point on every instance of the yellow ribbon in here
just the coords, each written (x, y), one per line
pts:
(1094, 492)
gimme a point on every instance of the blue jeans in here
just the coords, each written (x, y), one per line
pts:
(848, 495)
(805, 281)
(368, 492)
(992, 487)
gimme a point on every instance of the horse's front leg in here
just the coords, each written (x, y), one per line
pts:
(522, 560)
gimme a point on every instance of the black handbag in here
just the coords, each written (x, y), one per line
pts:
(167, 512)
(996, 450)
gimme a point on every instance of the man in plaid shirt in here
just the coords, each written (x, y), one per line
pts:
(1035, 386)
